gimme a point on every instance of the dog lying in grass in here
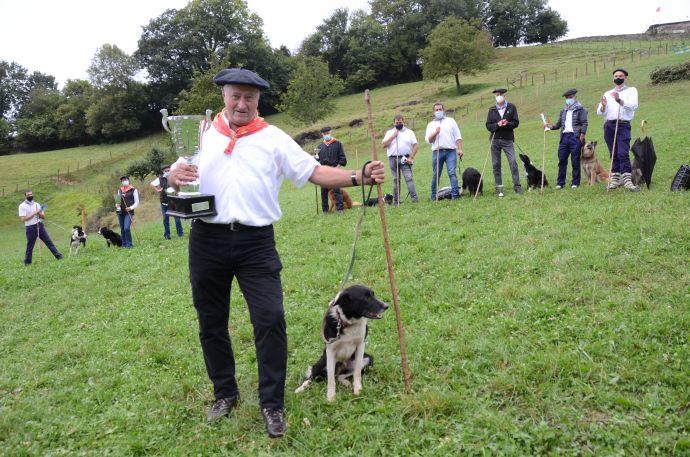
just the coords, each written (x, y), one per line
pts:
(470, 181)
(344, 331)
(533, 174)
(591, 167)
(77, 240)
(111, 238)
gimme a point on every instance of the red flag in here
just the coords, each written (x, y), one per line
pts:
(658, 9)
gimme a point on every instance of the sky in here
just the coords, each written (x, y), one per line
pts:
(61, 37)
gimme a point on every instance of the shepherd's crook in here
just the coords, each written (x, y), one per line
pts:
(389, 259)
(481, 177)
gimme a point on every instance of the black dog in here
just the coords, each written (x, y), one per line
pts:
(110, 237)
(471, 180)
(344, 330)
(387, 199)
(532, 173)
(77, 240)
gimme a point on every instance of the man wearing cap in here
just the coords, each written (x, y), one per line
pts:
(618, 106)
(242, 162)
(572, 121)
(501, 120)
(31, 214)
(127, 201)
(331, 154)
(161, 184)
(443, 134)
(401, 148)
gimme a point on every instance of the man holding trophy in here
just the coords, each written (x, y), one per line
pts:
(242, 162)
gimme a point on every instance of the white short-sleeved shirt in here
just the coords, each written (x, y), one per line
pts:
(246, 182)
(450, 133)
(403, 144)
(26, 208)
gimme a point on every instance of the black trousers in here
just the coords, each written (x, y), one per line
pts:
(325, 204)
(216, 256)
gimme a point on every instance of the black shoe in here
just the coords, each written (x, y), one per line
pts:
(222, 407)
(275, 422)
(58, 257)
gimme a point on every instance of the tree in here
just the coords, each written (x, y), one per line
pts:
(71, 114)
(111, 67)
(203, 94)
(512, 22)
(36, 124)
(311, 92)
(545, 27)
(456, 46)
(329, 42)
(117, 115)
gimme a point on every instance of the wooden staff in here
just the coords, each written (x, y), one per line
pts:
(316, 198)
(481, 177)
(389, 259)
(543, 162)
(613, 150)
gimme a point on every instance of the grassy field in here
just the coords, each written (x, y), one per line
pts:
(554, 324)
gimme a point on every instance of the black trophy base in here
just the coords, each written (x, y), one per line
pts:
(191, 206)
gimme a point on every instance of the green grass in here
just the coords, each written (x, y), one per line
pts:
(554, 324)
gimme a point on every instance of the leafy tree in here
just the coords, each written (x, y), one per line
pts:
(546, 26)
(330, 42)
(311, 92)
(117, 115)
(71, 114)
(151, 164)
(369, 55)
(111, 67)
(36, 123)
(512, 22)
(456, 46)
(204, 93)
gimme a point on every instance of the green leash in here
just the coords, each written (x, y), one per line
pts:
(358, 228)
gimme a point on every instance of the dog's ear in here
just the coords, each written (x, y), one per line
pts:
(594, 144)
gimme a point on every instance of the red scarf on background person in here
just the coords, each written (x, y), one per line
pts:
(223, 128)
(328, 143)
(124, 189)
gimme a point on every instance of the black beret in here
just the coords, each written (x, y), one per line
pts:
(569, 92)
(326, 129)
(620, 69)
(164, 166)
(124, 177)
(500, 90)
(240, 76)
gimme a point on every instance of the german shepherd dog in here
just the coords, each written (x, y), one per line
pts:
(533, 174)
(344, 331)
(591, 166)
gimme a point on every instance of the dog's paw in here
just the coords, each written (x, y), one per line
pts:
(330, 396)
(357, 389)
(344, 382)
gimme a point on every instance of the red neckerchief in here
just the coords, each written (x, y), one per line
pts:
(223, 128)
(124, 189)
(328, 143)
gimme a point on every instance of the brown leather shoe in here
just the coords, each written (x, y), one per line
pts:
(275, 422)
(222, 407)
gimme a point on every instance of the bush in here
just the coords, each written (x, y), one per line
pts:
(151, 164)
(665, 75)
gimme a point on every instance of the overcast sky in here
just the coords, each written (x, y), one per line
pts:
(61, 37)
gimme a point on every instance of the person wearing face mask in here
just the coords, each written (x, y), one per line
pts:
(572, 121)
(128, 200)
(331, 154)
(443, 134)
(31, 213)
(618, 106)
(401, 147)
(161, 185)
(501, 120)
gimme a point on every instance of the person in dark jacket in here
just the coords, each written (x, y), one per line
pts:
(331, 154)
(572, 121)
(161, 185)
(127, 200)
(501, 120)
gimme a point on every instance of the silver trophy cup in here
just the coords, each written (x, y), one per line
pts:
(186, 132)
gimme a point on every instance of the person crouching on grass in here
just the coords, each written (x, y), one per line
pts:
(242, 162)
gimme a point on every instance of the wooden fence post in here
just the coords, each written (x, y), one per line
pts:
(57, 181)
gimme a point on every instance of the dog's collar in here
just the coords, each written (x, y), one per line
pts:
(342, 321)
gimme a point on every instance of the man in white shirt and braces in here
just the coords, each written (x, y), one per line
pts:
(242, 162)
(401, 147)
(443, 134)
(619, 104)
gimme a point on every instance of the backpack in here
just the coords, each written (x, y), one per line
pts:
(682, 179)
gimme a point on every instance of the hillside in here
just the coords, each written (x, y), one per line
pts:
(554, 324)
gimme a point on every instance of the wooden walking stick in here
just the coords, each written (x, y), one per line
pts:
(389, 259)
(543, 155)
(481, 177)
(438, 164)
(613, 149)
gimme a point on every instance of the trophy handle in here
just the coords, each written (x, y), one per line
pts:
(209, 113)
(164, 120)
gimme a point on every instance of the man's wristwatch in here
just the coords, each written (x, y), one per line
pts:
(353, 177)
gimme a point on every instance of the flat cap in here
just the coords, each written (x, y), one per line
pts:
(326, 129)
(570, 92)
(620, 69)
(240, 76)
(500, 90)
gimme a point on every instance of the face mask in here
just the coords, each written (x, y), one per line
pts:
(569, 101)
(327, 137)
(166, 174)
(28, 199)
(500, 99)
(618, 81)
(439, 114)
(399, 126)
(125, 183)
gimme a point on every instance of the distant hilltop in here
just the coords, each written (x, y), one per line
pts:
(669, 28)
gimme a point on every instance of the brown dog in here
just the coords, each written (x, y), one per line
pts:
(591, 166)
(347, 201)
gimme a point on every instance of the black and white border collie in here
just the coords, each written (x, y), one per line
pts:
(344, 331)
(110, 237)
(77, 240)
